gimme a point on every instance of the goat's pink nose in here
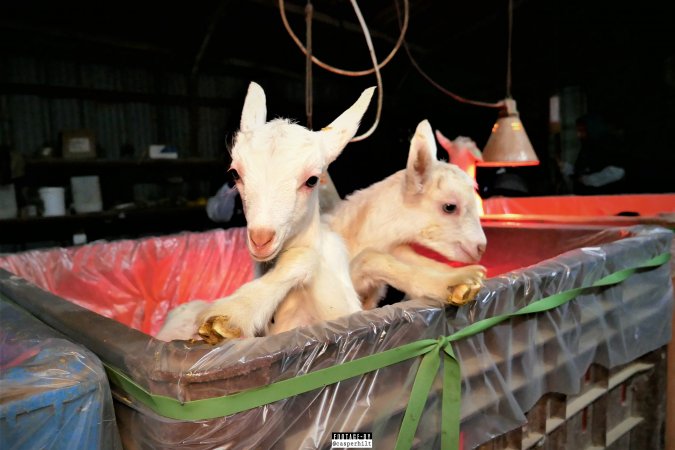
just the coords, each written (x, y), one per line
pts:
(261, 236)
(480, 249)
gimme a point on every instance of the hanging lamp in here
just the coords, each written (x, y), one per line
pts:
(508, 144)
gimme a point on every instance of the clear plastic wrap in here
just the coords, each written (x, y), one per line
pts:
(54, 394)
(136, 282)
(505, 369)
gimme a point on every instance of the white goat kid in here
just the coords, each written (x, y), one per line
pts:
(277, 165)
(462, 151)
(431, 204)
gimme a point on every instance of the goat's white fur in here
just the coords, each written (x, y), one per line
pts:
(307, 277)
(380, 222)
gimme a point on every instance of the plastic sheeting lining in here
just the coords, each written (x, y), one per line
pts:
(505, 368)
(137, 282)
(54, 394)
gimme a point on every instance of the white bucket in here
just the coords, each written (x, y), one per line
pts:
(86, 194)
(8, 209)
(53, 200)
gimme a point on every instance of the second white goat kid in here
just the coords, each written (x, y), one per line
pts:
(277, 166)
(463, 153)
(429, 204)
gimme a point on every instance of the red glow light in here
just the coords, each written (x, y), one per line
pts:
(507, 164)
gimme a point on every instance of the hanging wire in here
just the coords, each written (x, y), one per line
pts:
(457, 97)
(351, 73)
(380, 89)
(508, 54)
(371, 49)
(309, 98)
(403, 24)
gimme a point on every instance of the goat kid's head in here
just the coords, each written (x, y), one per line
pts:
(462, 151)
(277, 166)
(444, 202)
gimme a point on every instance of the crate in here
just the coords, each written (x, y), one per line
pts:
(603, 210)
(505, 369)
(54, 393)
(616, 409)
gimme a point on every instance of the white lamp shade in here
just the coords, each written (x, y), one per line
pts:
(508, 144)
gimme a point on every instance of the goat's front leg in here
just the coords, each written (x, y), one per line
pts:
(463, 282)
(427, 279)
(250, 308)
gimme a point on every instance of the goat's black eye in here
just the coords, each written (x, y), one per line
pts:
(311, 182)
(234, 174)
(449, 208)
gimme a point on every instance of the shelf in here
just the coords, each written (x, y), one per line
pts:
(110, 224)
(112, 214)
(173, 180)
(117, 164)
(39, 171)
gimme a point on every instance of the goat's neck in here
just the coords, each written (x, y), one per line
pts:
(308, 236)
(371, 218)
(309, 229)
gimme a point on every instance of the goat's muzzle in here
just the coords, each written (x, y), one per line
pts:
(262, 240)
(473, 252)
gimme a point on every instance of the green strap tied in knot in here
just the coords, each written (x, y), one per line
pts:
(432, 351)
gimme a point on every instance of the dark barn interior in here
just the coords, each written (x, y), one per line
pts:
(137, 73)
(132, 314)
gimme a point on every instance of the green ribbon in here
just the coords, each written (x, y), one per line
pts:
(430, 350)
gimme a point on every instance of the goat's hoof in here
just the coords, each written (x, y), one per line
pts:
(218, 329)
(463, 293)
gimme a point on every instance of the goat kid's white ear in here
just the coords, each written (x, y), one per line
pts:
(421, 157)
(337, 135)
(254, 112)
